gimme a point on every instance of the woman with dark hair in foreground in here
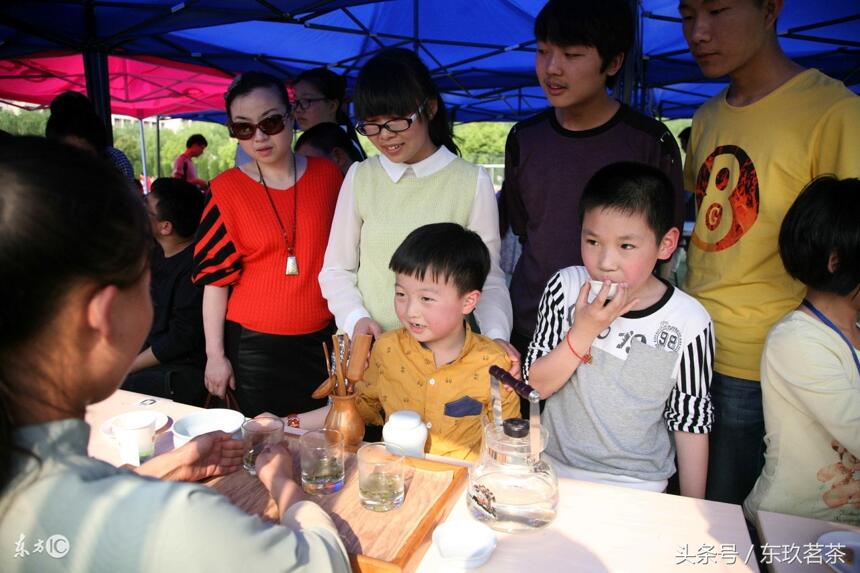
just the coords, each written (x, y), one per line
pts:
(74, 285)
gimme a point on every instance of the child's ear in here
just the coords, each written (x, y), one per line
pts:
(470, 301)
(833, 262)
(668, 244)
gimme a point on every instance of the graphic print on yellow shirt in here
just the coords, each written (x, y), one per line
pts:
(728, 213)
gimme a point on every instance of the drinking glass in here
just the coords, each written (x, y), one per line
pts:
(380, 476)
(322, 461)
(256, 435)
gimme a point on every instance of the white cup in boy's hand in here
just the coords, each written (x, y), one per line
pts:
(592, 319)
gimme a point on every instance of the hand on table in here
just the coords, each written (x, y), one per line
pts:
(208, 455)
(218, 374)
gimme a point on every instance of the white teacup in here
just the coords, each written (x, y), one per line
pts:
(135, 435)
(597, 285)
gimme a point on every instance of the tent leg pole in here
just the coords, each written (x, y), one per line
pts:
(98, 87)
(143, 157)
(158, 145)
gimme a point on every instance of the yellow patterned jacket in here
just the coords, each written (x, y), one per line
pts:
(452, 400)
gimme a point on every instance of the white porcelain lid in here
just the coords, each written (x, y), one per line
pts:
(404, 420)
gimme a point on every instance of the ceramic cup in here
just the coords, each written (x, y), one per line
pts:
(135, 435)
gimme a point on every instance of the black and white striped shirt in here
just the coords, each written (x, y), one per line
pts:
(677, 323)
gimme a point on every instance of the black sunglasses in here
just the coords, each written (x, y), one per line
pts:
(271, 125)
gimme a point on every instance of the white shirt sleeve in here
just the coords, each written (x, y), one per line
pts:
(493, 313)
(338, 277)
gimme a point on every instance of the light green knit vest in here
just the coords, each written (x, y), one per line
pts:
(389, 211)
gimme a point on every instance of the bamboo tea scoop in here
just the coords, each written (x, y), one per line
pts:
(324, 389)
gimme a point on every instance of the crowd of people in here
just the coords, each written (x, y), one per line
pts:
(743, 383)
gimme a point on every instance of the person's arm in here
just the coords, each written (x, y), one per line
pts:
(217, 265)
(548, 370)
(219, 371)
(692, 452)
(177, 168)
(670, 164)
(513, 206)
(338, 277)
(145, 359)
(689, 413)
(493, 313)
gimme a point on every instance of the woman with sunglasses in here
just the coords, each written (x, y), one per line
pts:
(417, 179)
(320, 97)
(76, 309)
(259, 250)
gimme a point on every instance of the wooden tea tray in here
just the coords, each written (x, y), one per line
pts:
(393, 541)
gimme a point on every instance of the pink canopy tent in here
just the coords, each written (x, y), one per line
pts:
(140, 86)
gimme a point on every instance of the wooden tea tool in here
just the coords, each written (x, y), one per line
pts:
(358, 354)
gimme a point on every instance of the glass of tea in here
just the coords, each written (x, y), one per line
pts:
(322, 461)
(256, 435)
(380, 476)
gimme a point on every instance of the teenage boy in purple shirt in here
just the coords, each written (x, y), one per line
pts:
(581, 49)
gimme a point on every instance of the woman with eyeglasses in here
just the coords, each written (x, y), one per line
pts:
(260, 247)
(320, 97)
(76, 309)
(416, 180)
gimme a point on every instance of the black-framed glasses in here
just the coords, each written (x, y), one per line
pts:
(396, 125)
(306, 102)
(271, 125)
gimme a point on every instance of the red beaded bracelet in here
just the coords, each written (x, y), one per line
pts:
(585, 358)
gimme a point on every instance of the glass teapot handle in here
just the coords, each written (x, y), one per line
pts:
(498, 374)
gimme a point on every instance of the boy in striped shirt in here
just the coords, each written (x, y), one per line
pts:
(625, 369)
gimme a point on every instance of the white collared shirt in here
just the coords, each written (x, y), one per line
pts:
(338, 276)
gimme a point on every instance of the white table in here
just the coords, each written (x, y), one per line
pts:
(598, 528)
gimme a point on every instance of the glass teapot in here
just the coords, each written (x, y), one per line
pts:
(510, 487)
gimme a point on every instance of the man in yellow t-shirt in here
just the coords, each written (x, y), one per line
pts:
(753, 148)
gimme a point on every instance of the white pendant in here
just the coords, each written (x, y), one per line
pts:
(292, 266)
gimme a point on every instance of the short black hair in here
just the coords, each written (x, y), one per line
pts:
(196, 139)
(607, 25)
(632, 188)
(823, 221)
(179, 202)
(243, 84)
(326, 137)
(447, 251)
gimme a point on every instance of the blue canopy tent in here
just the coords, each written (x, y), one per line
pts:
(481, 51)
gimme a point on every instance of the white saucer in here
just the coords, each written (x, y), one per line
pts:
(464, 544)
(850, 540)
(161, 422)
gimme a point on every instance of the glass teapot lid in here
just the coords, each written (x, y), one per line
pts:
(514, 437)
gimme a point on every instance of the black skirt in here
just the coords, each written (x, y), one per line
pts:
(276, 373)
